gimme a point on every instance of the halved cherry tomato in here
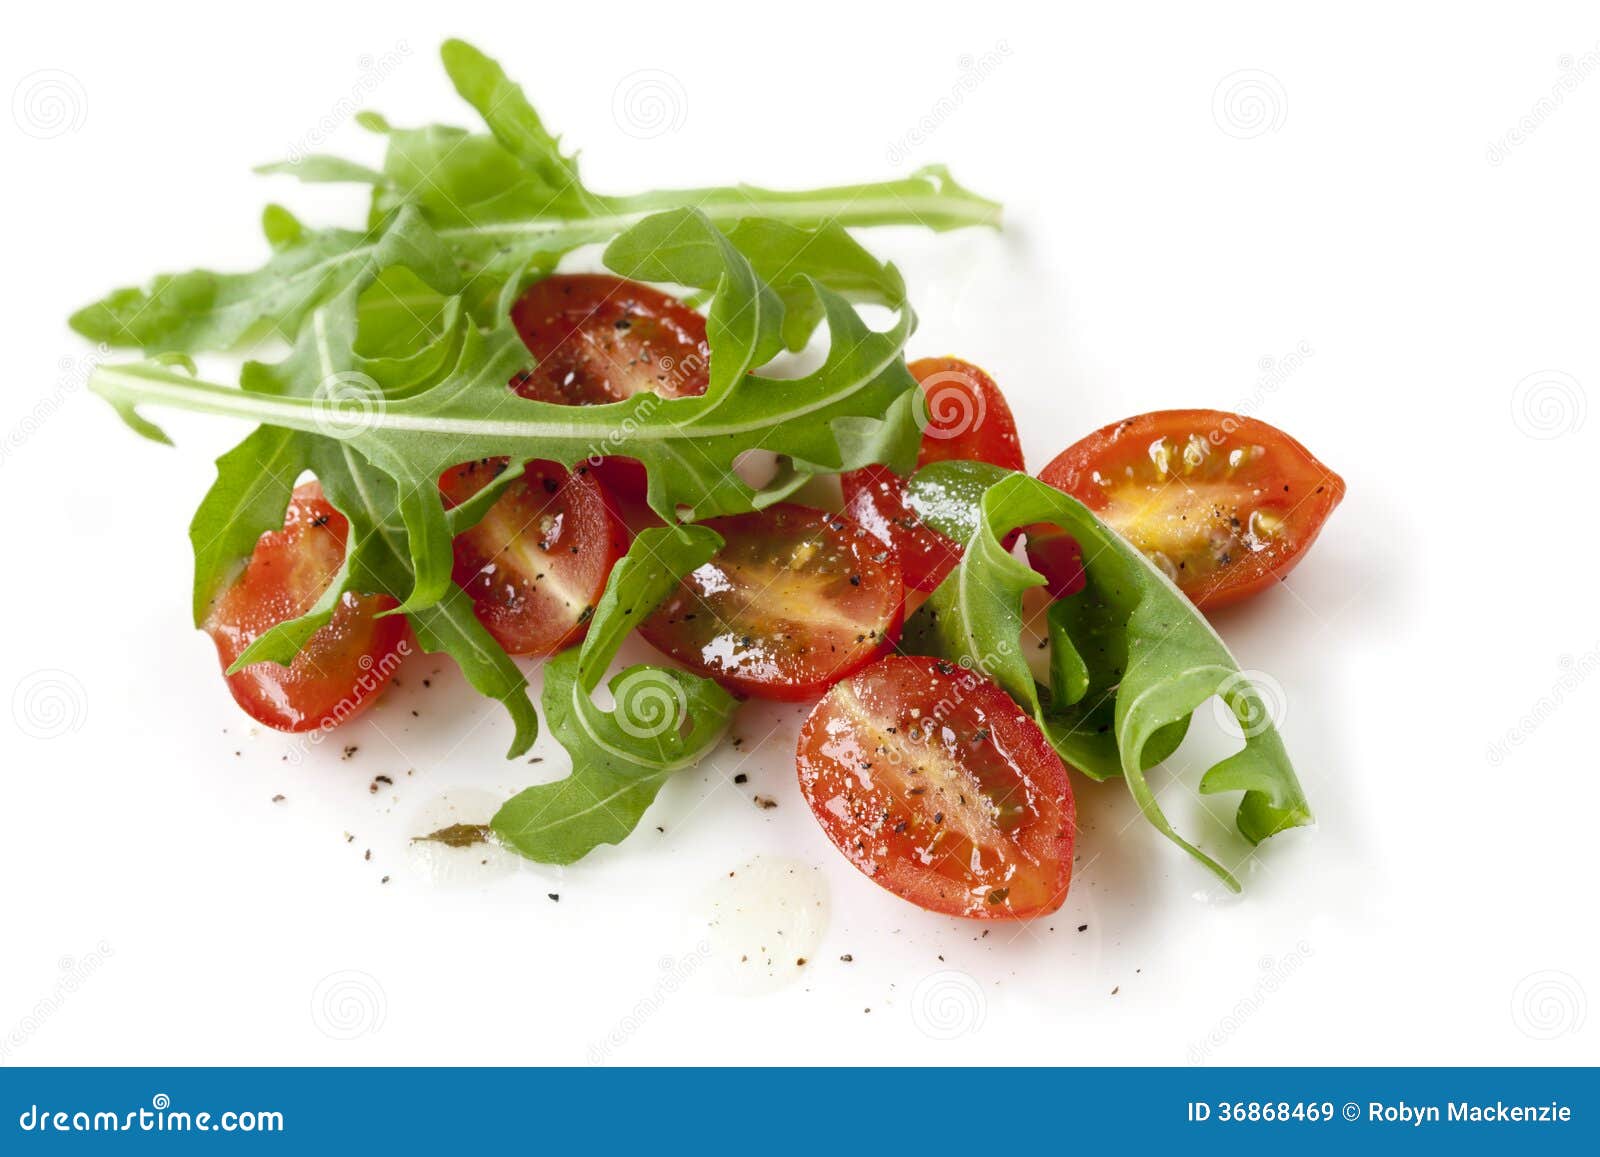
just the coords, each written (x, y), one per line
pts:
(794, 601)
(537, 563)
(344, 665)
(601, 339)
(1224, 504)
(964, 416)
(931, 780)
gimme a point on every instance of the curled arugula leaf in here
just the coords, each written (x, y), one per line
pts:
(504, 203)
(1131, 657)
(664, 719)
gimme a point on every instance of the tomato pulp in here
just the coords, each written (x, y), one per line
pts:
(538, 561)
(932, 781)
(601, 339)
(344, 664)
(1226, 505)
(795, 600)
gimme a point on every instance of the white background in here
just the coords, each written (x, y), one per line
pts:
(1165, 246)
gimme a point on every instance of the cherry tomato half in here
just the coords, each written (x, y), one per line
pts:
(536, 565)
(931, 780)
(1224, 504)
(794, 601)
(344, 665)
(601, 339)
(963, 416)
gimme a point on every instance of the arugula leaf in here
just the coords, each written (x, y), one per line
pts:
(255, 479)
(503, 202)
(689, 445)
(379, 430)
(1132, 658)
(664, 719)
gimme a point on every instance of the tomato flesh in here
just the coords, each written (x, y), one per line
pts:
(535, 566)
(963, 416)
(600, 339)
(794, 601)
(932, 781)
(1226, 505)
(343, 665)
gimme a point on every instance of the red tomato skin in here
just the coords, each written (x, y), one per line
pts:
(1287, 481)
(964, 417)
(344, 665)
(601, 339)
(712, 622)
(923, 813)
(537, 563)
(875, 497)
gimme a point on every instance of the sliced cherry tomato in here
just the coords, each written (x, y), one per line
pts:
(537, 563)
(1224, 504)
(344, 665)
(601, 339)
(964, 416)
(931, 780)
(794, 601)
